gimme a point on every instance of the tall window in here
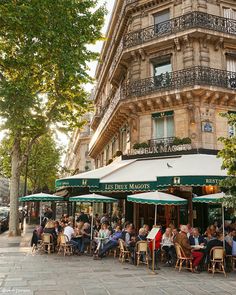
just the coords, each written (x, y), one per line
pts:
(161, 70)
(230, 13)
(163, 126)
(231, 67)
(160, 22)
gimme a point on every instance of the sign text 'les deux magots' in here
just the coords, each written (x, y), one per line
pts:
(160, 149)
(128, 186)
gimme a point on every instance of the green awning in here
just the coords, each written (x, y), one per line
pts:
(92, 198)
(41, 197)
(77, 182)
(193, 180)
(210, 199)
(156, 198)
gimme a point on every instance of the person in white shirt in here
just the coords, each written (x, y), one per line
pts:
(70, 233)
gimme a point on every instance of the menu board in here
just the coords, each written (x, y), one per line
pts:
(152, 234)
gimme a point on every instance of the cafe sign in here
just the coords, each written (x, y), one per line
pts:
(128, 187)
(160, 149)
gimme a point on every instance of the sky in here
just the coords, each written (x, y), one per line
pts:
(62, 138)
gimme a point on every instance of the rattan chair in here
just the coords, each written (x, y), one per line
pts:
(182, 258)
(64, 245)
(142, 249)
(47, 243)
(217, 258)
(124, 252)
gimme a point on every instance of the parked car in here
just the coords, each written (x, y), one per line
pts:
(4, 218)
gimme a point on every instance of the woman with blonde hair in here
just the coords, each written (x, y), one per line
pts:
(168, 245)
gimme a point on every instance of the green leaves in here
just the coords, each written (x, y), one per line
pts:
(228, 154)
(43, 50)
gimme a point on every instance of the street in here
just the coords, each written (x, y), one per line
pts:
(24, 273)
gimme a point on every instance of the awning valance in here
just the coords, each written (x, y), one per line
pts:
(150, 174)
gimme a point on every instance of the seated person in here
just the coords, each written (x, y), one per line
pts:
(183, 241)
(142, 235)
(196, 239)
(70, 233)
(58, 228)
(50, 229)
(217, 242)
(86, 236)
(130, 240)
(210, 233)
(112, 243)
(103, 236)
(168, 246)
(230, 236)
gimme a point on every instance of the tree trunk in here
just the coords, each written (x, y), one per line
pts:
(14, 189)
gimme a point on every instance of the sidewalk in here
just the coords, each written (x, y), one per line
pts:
(22, 272)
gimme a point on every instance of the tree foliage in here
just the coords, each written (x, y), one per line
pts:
(43, 66)
(228, 154)
(43, 163)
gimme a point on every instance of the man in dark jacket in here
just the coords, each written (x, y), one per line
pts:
(196, 239)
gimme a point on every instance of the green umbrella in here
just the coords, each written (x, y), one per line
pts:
(156, 198)
(217, 198)
(41, 197)
(92, 198)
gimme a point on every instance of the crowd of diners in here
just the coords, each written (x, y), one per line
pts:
(108, 230)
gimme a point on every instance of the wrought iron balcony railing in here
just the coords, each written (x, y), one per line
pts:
(161, 141)
(203, 76)
(184, 22)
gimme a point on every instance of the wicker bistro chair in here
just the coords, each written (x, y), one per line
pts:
(217, 258)
(64, 245)
(181, 258)
(124, 252)
(47, 245)
(142, 250)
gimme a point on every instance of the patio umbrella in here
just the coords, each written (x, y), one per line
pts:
(41, 197)
(217, 198)
(156, 198)
(92, 198)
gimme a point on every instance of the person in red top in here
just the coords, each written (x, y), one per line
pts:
(157, 244)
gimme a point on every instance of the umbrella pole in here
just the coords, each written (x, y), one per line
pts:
(40, 212)
(155, 221)
(91, 234)
(223, 224)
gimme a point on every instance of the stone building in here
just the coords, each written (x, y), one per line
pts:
(167, 72)
(77, 159)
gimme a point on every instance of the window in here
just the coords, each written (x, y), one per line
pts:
(161, 72)
(230, 13)
(163, 127)
(231, 67)
(160, 21)
(123, 139)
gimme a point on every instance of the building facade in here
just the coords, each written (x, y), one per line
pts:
(167, 73)
(77, 159)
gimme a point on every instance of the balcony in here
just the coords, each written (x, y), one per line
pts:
(193, 76)
(184, 22)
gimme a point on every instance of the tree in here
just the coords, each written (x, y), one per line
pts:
(228, 154)
(43, 164)
(43, 66)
